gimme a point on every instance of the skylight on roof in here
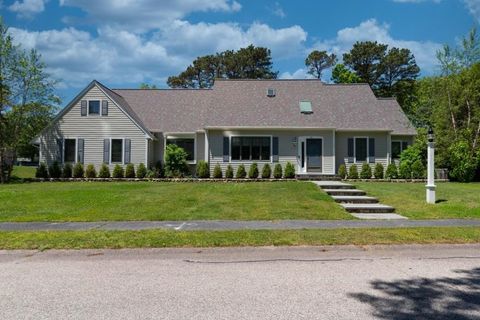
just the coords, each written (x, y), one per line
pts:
(306, 107)
(271, 92)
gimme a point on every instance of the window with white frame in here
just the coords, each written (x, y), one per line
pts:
(187, 144)
(398, 147)
(117, 151)
(94, 107)
(251, 148)
(69, 148)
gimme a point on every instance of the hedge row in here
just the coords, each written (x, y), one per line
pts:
(416, 171)
(253, 172)
(56, 171)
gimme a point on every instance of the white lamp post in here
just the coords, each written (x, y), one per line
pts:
(430, 168)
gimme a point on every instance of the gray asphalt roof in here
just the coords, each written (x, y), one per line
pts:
(244, 103)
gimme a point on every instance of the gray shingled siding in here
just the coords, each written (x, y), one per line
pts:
(287, 149)
(381, 147)
(93, 129)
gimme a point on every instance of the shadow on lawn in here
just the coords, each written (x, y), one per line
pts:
(441, 200)
(422, 298)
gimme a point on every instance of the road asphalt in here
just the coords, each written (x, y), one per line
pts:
(335, 282)
(234, 225)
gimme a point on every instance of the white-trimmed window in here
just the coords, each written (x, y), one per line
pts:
(251, 148)
(397, 148)
(187, 144)
(116, 152)
(69, 150)
(94, 107)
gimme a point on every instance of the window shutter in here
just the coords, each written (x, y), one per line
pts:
(106, 151)
(104, 107)
(275, 149)
(350, 150)
(59, 150)
(126, 155)
(226, 149)
(371, 150)
(80, 150)
(83, 108)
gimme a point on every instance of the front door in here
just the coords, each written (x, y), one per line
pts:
(310, 154)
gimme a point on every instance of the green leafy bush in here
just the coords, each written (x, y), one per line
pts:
(42, 171)
(67, 171)
(253, 171)
(353, 172)
(229, 172)
(159, 170)
(277, 171)
(378, 172)
(104, 171)
(141, 171)
(241, 173)
(366, 172)
(117, 171)
(404, 170)
(392, 172)
(151, 174)
(202, 169)
(266, 171)
(54, 171)
(289, 171)
(78, 170)
(217, 172)
(130, 171)
(342, 171)
(418, 170)
(90, 171)
(175, 161)
(463, 163)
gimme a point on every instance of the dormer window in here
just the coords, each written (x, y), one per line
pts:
(306, 107)
(271, 92)
(94, 107)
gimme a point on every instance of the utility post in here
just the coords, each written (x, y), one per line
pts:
(430, 167)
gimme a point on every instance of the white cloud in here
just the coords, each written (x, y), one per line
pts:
(27, 8)
(371, 30)
(277, 10)
(473, 7)
(298, 74)
(142, 15)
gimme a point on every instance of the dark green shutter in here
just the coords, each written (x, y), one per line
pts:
(83, 108)
(226, 149)
(371, 150)
(127, 150)
(350, 150)
(275, 149)
(104, 107)
(59, 150)
(106, 151)
(80, 150)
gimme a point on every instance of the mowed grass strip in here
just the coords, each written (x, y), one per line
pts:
(454, 200)
(166, 238)
(127, 201)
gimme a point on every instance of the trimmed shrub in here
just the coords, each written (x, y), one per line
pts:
(266, 171)
(342, 171)
(130, 171)
(418, 170)
(404, 171)
(353, 172)
(54, 171)
(277, 171)
(202, 169)
(392, 172)
(159, 170)
(104, 171)
(217, 172)
(67, 171)
(78, 170)
(117, 171)
(42, 171)
(90, 171)
(141, 171)
(229, 172)
(289, 171)
(253, 171)
(378, 172)
(175, 161)
(241, 173)
(366, 172)
(151, 174)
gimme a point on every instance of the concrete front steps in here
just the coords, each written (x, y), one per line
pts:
(356, 202)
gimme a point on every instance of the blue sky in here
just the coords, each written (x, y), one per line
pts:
(125, 42)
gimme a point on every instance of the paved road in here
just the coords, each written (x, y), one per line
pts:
(398, 282)
(235, 225)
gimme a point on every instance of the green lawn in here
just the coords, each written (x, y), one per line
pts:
(454, 200)
(97, 201)
(163, 238)
(23, 172)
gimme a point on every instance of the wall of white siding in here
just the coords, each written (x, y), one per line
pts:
(94, 129)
